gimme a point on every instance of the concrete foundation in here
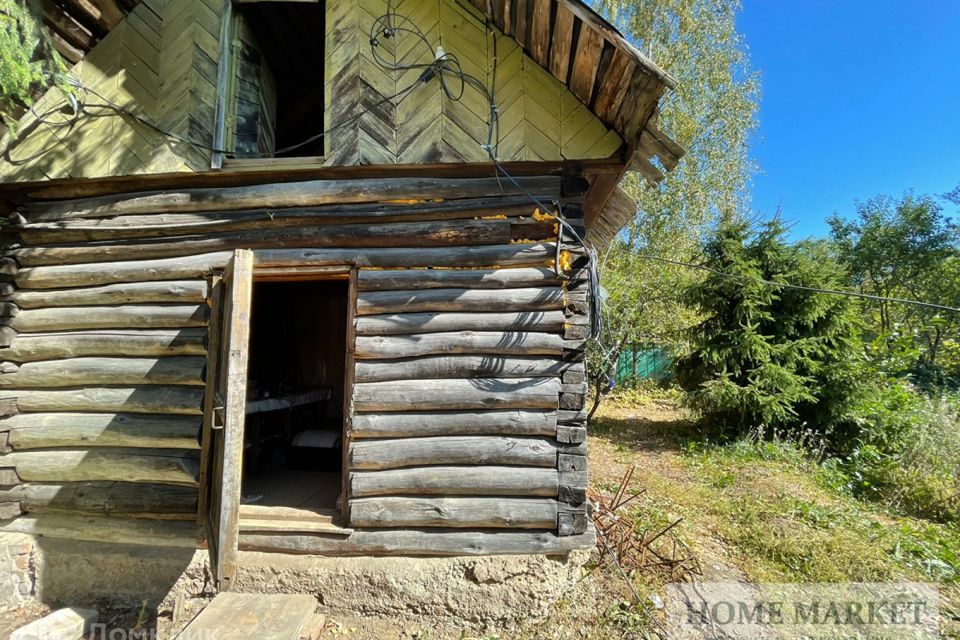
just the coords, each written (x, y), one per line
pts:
(490, 592)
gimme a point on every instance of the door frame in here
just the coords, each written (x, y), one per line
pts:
(216, 350)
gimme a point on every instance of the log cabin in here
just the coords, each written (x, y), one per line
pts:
(314, 277)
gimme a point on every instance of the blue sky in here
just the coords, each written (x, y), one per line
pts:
(859, 98)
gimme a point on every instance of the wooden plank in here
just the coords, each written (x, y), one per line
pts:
(159, 225)
(130, 499)
(393, 279)
(613, 86)
(416, 323)
(455, 366)
(540, 32)
(501, 513)
(37, 430)
(232, 387)
(72, 372)
(417, 300)
(179, 291)
(200, 266)
(140, 316)
(416, 234)
(438, 481)
(562, 43)
(425, 542)
(209, 400)
(446, 450)
(275, 525)
(123, 465)
(175, 400)
(458, 342)
(517, 422)
(585, 62)
(287, 194)
(30, 347)
(153, 533)
(252, 615)
(479, 393)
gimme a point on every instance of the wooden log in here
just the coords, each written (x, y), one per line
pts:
(164, 466)
(161, 225)
(467, 366)
(571, 434)
(412, 301)
(31, 347)
(199, 266)
(415, 234)
(438, 481)
(458, 342)
(493, 513)
(292, 194)
(8, 407)
(376, 280)
(86, 275)
(140, 316)
(7, 334)
(447, 450)
(573, 522)
(573, 486)
(508, 255)
(179, 291)
(151, 533)
(413, 323)
(424, 542)
(130, 499)
(477, 393)
(8, 476)
(150, 399)
(453, 423)
(8, 309)
(38, 430)
(71, 372)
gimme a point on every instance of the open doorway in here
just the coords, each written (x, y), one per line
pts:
(293, 433)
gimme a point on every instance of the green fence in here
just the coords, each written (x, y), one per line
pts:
(639, 362)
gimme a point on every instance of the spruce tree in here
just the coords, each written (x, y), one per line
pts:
(767, 356)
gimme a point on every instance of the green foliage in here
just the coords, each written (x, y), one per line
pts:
(27, 59)
(908, 456)
(773, 357)
(712, 114)
(907, 249)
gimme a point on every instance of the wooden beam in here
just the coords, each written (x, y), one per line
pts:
(151, 533)
(515, 422)
(457, 342)
(479, 393)
(31, 347)
(426, 542)
(122, 293)
(456, 300)
(165, 466)
(129, 499)
(447, 450)
(38, 430)
(174, 400)
(139, 316)
(414, 323)
(438, 481)
(455, 366)
(501, 513)
(71, 372)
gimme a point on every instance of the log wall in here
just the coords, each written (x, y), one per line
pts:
(467, 375)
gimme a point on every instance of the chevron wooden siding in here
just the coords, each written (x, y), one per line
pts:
(159, 63)
(539, 118)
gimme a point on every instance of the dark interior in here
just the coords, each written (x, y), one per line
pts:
(291, 38)
(295, 379)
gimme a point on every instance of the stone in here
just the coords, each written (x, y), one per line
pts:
(63, 624)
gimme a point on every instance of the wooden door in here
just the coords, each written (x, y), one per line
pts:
(226, 418)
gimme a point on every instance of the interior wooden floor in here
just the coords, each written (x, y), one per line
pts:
(291, 501)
